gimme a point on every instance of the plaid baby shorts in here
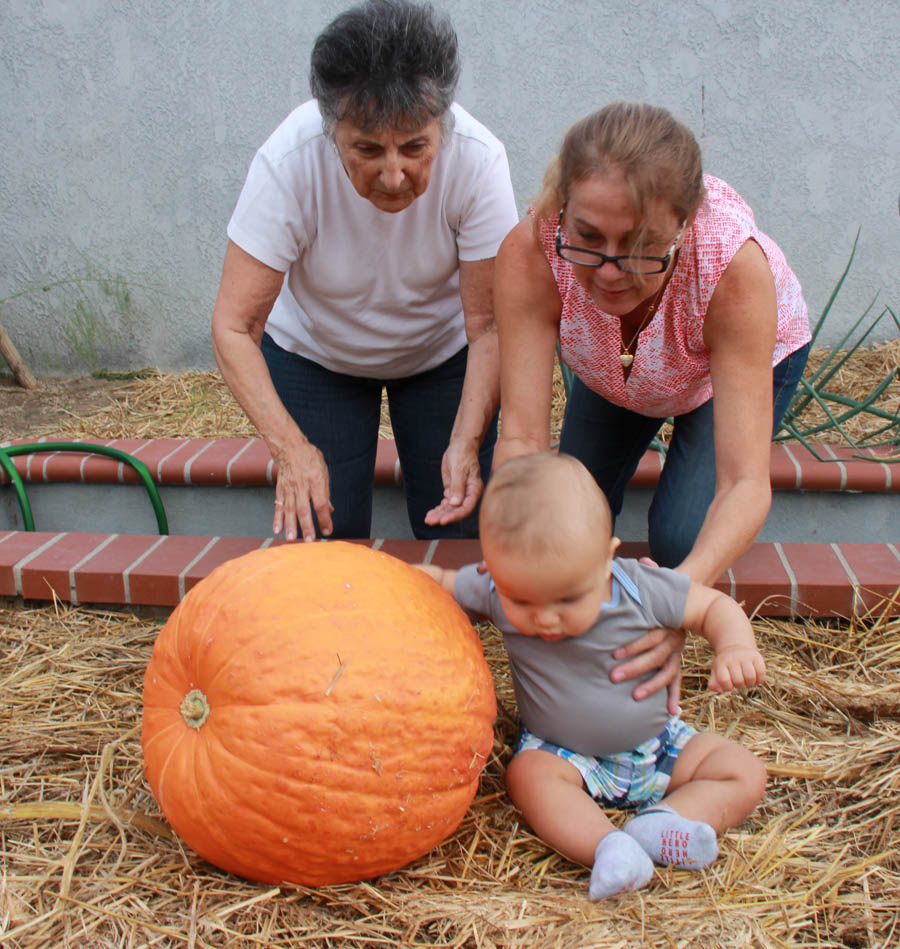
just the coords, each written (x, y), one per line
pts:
(639, 777)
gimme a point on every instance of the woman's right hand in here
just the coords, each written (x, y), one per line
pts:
(301, 487)
(658, 649)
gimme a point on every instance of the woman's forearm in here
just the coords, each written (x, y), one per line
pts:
(481, 390)
(732, 524)
(526, 384)
(302, 484)
(528, 309)
(245, 372)
(740, 331)
(481, 386)
(247, 292)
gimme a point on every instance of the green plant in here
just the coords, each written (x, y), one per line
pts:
(115, 375)
(837, 408)
(89, 327)
(95, 312)
(83, 332)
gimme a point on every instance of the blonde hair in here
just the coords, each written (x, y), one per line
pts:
(657, 154)
(541, 503)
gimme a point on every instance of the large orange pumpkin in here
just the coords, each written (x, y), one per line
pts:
(318, 713)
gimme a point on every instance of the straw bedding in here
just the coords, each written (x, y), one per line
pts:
(87, 860)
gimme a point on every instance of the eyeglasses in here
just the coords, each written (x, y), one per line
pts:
(630, 263)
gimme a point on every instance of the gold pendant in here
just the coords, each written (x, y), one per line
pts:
(626, 359)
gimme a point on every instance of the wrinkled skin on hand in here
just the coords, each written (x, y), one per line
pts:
(461, 474)
(301, 486)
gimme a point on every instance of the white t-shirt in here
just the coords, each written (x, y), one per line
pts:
(367, 292)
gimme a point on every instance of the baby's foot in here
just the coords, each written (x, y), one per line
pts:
(673, 840)
(620, 865)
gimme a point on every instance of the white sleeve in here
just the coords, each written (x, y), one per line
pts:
(490, 212)
(269, 222)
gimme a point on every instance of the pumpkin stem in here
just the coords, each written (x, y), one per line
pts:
(195, 708)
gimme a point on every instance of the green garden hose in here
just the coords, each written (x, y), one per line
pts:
(140, 468)
(19, 487)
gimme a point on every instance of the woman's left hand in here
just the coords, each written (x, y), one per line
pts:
(461, 473)
(660, 649)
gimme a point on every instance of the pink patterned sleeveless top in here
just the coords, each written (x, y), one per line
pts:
(670, 373)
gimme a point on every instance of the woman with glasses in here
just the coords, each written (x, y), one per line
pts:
(360, 256)
(666, 300)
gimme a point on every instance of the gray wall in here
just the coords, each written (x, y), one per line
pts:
(128, 127)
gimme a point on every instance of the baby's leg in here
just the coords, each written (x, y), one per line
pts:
(550, 793)
(717, 781)
(715, 784)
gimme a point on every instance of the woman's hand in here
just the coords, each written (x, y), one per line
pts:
(301, 486)
(461, 473)
(658, 649)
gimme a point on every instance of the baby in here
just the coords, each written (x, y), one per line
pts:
(564, 605)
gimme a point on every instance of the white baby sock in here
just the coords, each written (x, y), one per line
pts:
(673, 840)
(620, 865)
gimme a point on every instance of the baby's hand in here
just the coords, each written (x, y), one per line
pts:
(737, 667)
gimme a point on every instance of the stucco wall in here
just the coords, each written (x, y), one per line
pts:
(129, 125)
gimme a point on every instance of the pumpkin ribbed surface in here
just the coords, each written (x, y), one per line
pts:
(318, 713)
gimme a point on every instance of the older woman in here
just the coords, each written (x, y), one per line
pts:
(361, 256)
(666, 300)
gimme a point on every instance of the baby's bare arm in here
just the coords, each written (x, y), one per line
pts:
(446, 578)
(718, 618)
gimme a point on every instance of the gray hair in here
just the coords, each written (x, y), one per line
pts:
(386, 64)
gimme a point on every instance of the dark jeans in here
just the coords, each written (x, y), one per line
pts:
(610, 441)
(340, 414)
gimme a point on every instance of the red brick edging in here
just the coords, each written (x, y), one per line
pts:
(242, 462)
(150, 570)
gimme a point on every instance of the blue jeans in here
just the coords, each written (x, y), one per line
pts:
(340, 415)
(610, 442)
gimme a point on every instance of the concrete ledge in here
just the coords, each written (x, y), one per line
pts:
(787, 580)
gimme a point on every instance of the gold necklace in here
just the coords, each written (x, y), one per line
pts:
(626, 357)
